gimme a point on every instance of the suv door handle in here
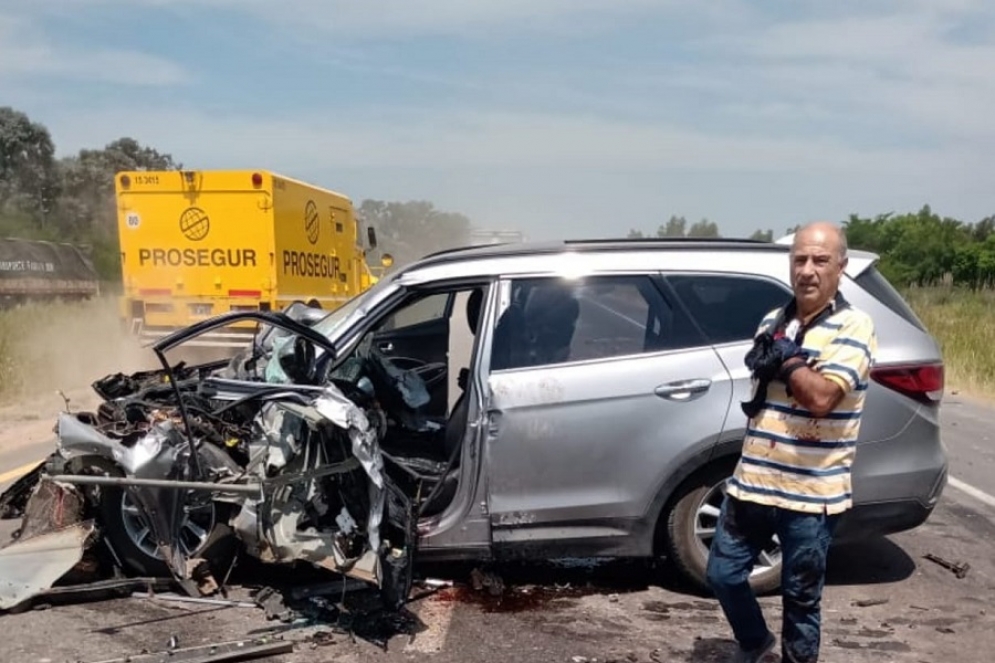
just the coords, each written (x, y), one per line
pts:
(683, 390)
(493, 421)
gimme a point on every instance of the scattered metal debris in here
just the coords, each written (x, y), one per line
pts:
(99, 590)
(322, 639)
(959, 570)
(271, 601)
(491, 581)
(222, 652)
(327, 588)
(246, 653)
(193, 599)
(32, 565)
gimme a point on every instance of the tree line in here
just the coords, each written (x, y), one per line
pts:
(917, 248)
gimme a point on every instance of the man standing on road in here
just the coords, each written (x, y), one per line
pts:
(793, 478)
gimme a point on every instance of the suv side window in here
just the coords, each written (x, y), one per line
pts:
(729, 308)
(553, 321)
(430, 307)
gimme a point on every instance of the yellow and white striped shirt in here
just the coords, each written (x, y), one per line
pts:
(792, 459)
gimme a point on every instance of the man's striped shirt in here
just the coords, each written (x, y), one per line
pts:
(792, 459)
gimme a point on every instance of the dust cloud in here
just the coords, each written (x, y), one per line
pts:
(45, 348)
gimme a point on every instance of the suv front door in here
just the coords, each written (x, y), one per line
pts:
(598, 387)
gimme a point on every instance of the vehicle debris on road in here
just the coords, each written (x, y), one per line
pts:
(959, 570)
(222, 652)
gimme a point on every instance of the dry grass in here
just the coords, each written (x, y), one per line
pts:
(63, 346)
(963, 323)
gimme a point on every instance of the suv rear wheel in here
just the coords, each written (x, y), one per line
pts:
(690, 528)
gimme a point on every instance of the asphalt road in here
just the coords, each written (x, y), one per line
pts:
(884, 600)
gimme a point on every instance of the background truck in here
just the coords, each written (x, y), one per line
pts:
(34, 270)
(195, 244)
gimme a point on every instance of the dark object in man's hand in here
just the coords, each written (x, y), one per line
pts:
(764, 360)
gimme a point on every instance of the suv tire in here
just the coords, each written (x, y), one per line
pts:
(217, 545)
(694, 512)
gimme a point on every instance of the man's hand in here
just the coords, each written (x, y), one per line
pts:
(785, 349)
(768, 355)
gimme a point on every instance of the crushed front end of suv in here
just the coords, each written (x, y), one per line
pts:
(180, 469)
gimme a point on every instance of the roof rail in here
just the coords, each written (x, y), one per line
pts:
(664, 240)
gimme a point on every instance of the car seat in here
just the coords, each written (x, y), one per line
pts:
(550, 321)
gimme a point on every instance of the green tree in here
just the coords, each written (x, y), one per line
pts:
(981, 230)
(635, 234)
(919, 248)
(410, 230)
(703, 228)
(763, 235)
(28, 176)
(88, 182)
(86, 207)
(676, 226)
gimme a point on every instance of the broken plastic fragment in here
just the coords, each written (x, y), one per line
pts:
(30, 566)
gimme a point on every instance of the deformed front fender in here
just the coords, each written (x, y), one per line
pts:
(156, 455)
(77, 439)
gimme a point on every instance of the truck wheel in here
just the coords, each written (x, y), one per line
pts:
(690, 527)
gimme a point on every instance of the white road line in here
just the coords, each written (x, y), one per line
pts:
(977, 494)
(436, 616)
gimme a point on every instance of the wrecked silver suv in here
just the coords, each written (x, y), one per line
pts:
(571, 399)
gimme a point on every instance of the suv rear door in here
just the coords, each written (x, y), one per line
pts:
(729, 307)
(598, 387)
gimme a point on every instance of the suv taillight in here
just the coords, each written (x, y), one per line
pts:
(923, 382)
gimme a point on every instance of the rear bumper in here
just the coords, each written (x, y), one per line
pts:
(872, 519)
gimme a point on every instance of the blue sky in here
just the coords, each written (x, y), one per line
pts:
(557, 117)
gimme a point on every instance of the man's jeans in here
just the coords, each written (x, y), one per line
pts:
(743, 529)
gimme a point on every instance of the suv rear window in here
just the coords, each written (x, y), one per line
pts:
(878, 286)
(729, 308)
